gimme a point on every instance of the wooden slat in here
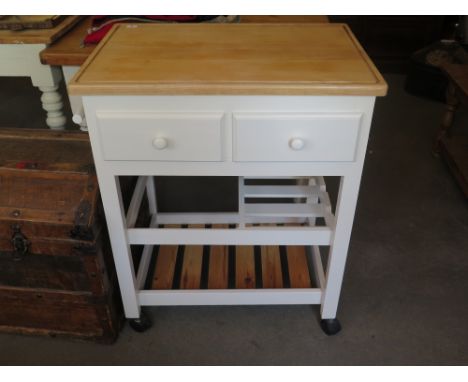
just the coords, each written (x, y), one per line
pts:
(245, 267)
(165, 265)
(271, 267)
(192, 267)
(298, 268)
(218, 265)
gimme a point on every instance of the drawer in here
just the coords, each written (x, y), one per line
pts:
(295, 137)
(160, 136)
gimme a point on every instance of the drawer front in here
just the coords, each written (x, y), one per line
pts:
(159, 136)
(295, 137)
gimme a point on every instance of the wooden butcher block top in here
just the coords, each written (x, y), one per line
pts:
(236, 59)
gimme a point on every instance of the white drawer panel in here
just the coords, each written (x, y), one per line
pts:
(161, 136)
(295, 137)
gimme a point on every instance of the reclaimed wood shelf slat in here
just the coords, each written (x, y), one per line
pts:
(242, 271)
(218, 265)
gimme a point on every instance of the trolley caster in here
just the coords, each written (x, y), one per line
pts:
(141, 324)
(330, 326)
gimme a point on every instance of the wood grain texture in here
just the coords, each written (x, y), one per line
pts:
(271, 267)
(17, 23)
(219, 269)
(48, 186)
(58, 313)
(264, 59)
(68, 265)
(165, 265)
(245, 267)
(192, 266)
(218, 265)
(69, 50)
(298, 268)
(38, 36)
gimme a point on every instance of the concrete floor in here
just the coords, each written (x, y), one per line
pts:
(404, 298)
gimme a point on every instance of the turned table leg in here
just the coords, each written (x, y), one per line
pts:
(447, 120)
(19, 60)
(53, 105)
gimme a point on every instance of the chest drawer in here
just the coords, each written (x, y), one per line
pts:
(161, 136)
(295, 137)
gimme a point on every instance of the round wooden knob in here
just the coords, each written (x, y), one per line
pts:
(160, 143)
(296, 143)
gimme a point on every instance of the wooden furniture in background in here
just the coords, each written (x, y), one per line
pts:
(17, 23)
(56, 270)
(454, 148)
(69, 50)
(171, 100)
(19, 56)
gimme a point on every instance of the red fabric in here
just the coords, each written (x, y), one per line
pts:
(96, 36)
(26, 165)
(98, 32)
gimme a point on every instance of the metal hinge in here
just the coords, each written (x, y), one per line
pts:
(20, 243)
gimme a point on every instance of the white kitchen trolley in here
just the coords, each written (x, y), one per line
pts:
(278, 106)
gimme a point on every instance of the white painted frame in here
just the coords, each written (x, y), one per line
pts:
(329, 281)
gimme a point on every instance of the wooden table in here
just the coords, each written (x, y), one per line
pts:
(454, 148)
(286, 102)
(19, 56)
(69, 52)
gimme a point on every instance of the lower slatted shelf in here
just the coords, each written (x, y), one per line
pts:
(229, 267)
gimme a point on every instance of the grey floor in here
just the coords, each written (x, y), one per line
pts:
(405, 292)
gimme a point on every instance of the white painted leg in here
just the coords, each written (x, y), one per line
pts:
(151, 192)
(76, 103)
(52, 104)
(113, 208)
(347, 198)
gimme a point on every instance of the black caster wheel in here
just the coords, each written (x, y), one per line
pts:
(330, 326)
(141, 324)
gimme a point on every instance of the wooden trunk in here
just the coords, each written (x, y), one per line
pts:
(56, 270)
(77, 315)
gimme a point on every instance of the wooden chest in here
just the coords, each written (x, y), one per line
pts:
(56, 270)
